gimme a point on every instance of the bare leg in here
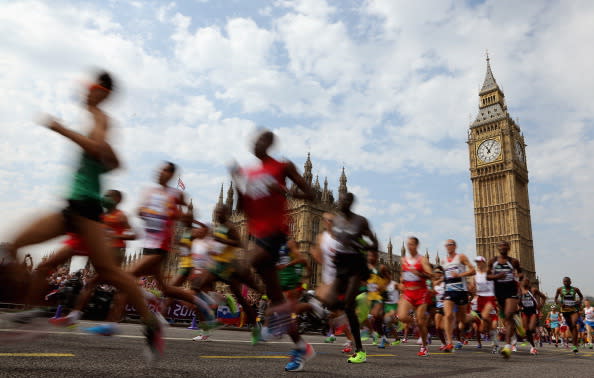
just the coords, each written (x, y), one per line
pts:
(106, 266)
(422, 323)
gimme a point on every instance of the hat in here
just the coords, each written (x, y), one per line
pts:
(480, 259)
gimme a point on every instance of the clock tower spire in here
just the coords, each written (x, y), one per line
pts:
(499, 176)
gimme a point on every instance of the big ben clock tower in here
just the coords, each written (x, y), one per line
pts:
(499, 177)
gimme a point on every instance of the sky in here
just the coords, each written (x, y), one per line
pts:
(386, 89)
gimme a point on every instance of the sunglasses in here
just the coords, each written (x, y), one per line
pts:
(450, 244)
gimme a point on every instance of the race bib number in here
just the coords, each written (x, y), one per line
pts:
(569, 303)
(408, 276)
(372, 287)
(527, 303)
(450, 271)
(154, 223)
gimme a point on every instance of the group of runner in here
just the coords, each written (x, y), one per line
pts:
(355, 288)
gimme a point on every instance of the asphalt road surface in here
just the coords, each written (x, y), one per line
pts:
(228, 353)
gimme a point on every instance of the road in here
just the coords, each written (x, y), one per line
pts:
(228, 353)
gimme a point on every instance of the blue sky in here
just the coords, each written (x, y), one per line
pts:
(385, 88)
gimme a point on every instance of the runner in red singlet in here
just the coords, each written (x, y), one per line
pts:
(415, 294)
(263, 193)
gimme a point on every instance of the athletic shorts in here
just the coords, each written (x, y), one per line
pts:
(390, 307)
(527, 312)
(505, 291)
(554, 325)
(154, 252)
(590, 323)
(460, 298)
(351, 264)
(272, 244)
(439, 310)
(87, 208)
(417, 297)
(184, 271)
(482, 302)
(223, 270)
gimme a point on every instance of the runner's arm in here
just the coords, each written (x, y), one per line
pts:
(579, 293)
(306, 192)
(490, 275)
(129, 233)
(316, 251)
(557, 294)
(96, 145)
(370, 235)
(470, 271)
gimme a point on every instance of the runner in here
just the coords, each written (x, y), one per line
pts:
(222, 247)
(589, 319)
(570, 307)
(323, 252)
(439, 290)
(505, 271)
(118, 232)
(376, 287)
(159, 209)
(529, 307)
(555, 322)
(291, 265)
(263, 193)
(83, 213)
(391, 299)
(350, 230)
(486, 304)
(415, 295)
(456, 268)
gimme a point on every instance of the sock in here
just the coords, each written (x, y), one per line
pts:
(301, 344)
(204, 309)
(75, 315)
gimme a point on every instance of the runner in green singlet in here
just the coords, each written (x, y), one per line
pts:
(82, 215)
(570, 307)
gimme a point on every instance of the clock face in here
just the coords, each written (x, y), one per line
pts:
(489, 151)
(519, 151)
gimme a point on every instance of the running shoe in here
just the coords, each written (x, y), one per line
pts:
(514, 348)
(201, 338)
(108, 329)
(574, 349)
(449, 348)
(420, 341)
(396, 342)
(64, 321)
(382, 344)
(256, 335)
(405, 340)
(442, 347)
(423, 352)
(298, 358)
(330, 339)
(479, 346)
(458, 346)
(590, 346)
(374, 337)
(155, 346)
(358, 358)
(495, 349)
(506, 352)
(347, 348)
(533, 351)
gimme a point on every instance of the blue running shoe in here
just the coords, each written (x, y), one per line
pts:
(382, 344)
(297, 360)
(103, 329)
(458, 346)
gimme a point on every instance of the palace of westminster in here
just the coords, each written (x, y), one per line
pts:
(499, 176)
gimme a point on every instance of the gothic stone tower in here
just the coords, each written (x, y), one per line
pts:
(499, 177)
